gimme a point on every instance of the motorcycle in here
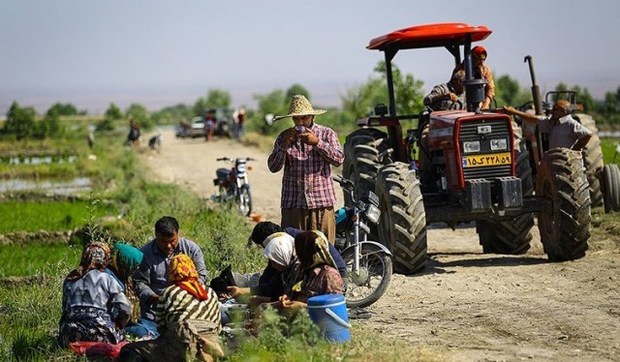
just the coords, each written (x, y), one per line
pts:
(369, 263)
(233, 184)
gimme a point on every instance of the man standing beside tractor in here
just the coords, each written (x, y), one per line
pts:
(563, 130)
(307, 152)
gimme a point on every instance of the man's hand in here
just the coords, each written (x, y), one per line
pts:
(290, 136)
(308, 137)
(453, 97)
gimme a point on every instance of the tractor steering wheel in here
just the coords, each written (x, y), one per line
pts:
(456, 105)
(453, 105)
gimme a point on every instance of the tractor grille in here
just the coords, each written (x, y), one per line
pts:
(469, 132)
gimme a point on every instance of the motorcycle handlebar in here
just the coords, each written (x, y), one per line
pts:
(230, 159)
(342, 181)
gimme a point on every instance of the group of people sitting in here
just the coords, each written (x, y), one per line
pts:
(157, 296)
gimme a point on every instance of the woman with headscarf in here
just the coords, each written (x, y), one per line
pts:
(187, 314)
(124, 260)
(320, 275)
(94, 307)
(281, 272)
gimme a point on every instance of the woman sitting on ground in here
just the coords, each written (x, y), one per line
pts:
(188, 318)
(124, 260)
(94, 307)
(320, 275)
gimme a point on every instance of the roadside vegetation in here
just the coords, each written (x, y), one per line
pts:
(124, 206)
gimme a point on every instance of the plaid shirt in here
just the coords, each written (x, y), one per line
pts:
(307, 183)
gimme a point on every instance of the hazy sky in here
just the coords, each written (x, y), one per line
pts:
(162, 52)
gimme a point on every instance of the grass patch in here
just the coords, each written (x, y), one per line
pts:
(608, 146)
(51, 216)
(30, 260)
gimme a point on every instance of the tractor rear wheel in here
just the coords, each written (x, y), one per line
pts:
(512, 236)
(402, 226)
(611, 182)
(593, 160)
(565, 228)
(362, 151)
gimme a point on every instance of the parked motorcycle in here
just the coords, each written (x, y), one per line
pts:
(233, 184)
(369, 263)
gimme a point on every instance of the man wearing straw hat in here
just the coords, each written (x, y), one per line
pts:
(306, 152)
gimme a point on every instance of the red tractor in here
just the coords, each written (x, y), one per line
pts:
(480, 168)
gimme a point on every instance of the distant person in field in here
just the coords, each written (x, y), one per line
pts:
(239, 121)
(564, 130)
(210, 124)
(151, 278)
(94, 307)
(307, 151)
(133, 138)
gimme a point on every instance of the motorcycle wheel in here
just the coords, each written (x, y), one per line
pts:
(368, 284)
(244, 201)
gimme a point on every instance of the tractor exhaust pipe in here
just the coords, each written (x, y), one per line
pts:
(536, 97)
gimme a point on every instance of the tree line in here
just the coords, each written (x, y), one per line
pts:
(356, 102)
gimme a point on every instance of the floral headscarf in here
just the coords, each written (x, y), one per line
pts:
(313, 249)
(124, 260)
(182, 273)
(95, 256)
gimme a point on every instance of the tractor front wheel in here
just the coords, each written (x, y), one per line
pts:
(402, 226)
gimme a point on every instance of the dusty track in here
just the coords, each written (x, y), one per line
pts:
(466, 306)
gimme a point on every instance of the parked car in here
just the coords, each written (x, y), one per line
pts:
(196, 127)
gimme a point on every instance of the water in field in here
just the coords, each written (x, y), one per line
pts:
(37, 160)
(52, 186)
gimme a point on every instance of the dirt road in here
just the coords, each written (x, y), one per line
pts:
(466, 306)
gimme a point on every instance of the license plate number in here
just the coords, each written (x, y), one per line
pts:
(487, 160)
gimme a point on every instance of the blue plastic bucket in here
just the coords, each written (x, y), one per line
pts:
(329, 312)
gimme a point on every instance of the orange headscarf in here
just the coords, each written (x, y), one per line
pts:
(182, 272)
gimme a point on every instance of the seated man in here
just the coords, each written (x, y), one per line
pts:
(447, 95)
(442, 97)
(151, 278)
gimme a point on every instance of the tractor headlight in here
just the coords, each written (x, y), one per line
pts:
(373, 213)
(499, 144)
(471, 146)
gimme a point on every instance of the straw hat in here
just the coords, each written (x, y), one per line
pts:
(300, 106)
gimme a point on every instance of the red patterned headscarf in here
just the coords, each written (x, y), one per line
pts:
(182, 272)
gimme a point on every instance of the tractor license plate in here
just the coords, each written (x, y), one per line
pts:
(487, 160)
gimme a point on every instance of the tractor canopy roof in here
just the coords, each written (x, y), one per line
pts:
(430, 35)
